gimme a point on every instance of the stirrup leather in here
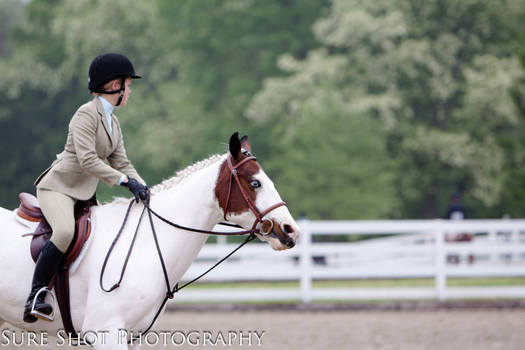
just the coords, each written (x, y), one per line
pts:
(42, 315)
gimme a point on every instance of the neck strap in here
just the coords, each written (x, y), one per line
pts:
(112, 92)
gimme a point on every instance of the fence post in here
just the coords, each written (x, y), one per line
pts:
(440, 278)
(306, 261)
(492, 238)
(221, 240)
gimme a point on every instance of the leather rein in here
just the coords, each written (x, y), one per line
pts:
(260, 218)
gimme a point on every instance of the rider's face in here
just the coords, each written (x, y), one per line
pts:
(127, 92)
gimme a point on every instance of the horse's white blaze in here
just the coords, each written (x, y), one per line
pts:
(267, 196)
(191, 202)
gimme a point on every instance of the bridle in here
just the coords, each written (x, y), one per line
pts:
(259, 216)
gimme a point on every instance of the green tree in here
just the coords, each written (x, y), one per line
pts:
(513, 196)
(329, 158)
(224, 50)
(437, 75)
(201, 62)
(45, 76)
(10, 14)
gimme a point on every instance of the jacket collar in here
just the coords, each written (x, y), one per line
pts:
(108, 107)
(102, 115)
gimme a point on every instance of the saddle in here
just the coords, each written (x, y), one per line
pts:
(29, 210)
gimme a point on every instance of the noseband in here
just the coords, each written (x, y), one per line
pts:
(259, 216)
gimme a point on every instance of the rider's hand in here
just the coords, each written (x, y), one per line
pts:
(140, 191)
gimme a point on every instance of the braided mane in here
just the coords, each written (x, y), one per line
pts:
(179, 176)
(188, 171)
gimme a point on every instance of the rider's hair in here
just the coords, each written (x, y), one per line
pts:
(106, 86)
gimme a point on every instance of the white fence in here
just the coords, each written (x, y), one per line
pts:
(404, 249)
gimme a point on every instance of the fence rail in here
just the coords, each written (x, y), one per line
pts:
(401, 249)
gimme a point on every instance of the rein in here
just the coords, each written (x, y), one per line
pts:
(170, 292)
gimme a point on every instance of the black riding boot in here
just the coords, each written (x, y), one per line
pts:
(47, 264)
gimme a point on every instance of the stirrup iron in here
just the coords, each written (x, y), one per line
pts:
(42, 315)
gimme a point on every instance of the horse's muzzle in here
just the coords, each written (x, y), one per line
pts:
(282, 232)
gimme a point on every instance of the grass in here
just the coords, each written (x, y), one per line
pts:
(357, 283)
(371, 283)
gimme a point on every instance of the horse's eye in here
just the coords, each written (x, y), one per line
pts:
(255, 184)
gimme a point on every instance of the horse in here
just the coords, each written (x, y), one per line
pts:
(200, 196)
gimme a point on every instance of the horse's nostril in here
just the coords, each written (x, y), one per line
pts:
(290, 244)
(287, 228)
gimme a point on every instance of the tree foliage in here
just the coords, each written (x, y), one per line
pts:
(202, 60)
(437, 75)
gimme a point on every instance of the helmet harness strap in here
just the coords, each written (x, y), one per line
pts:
(121, 91)
(118, 91)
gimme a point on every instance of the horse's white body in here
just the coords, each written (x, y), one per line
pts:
(190, 202)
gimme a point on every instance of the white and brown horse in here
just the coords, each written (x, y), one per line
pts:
(199, 196)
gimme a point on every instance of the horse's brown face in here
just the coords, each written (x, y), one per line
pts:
(280, 229)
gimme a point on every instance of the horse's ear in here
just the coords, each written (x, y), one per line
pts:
(246, 144)
(235, 145)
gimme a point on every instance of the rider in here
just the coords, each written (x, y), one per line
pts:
(94, 137)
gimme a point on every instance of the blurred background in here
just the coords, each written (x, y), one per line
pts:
(357, 110)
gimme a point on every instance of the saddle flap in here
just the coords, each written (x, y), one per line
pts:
(41, 235)
(43, 232)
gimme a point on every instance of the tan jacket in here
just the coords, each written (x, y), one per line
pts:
(77, 170)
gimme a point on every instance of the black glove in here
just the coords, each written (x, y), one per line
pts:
(139, 190)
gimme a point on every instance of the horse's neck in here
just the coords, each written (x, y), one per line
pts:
(190, 203)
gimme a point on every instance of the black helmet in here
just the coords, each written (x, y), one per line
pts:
(109, 66)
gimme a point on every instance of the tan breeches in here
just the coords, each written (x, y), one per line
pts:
(59, 212)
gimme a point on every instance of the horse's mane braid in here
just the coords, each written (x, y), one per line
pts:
(179, 176)
(182, 174)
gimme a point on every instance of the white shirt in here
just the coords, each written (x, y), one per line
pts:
(108, 109)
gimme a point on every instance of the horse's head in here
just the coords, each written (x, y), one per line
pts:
(248, 197)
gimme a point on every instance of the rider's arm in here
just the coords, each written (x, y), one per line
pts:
(119, 160)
